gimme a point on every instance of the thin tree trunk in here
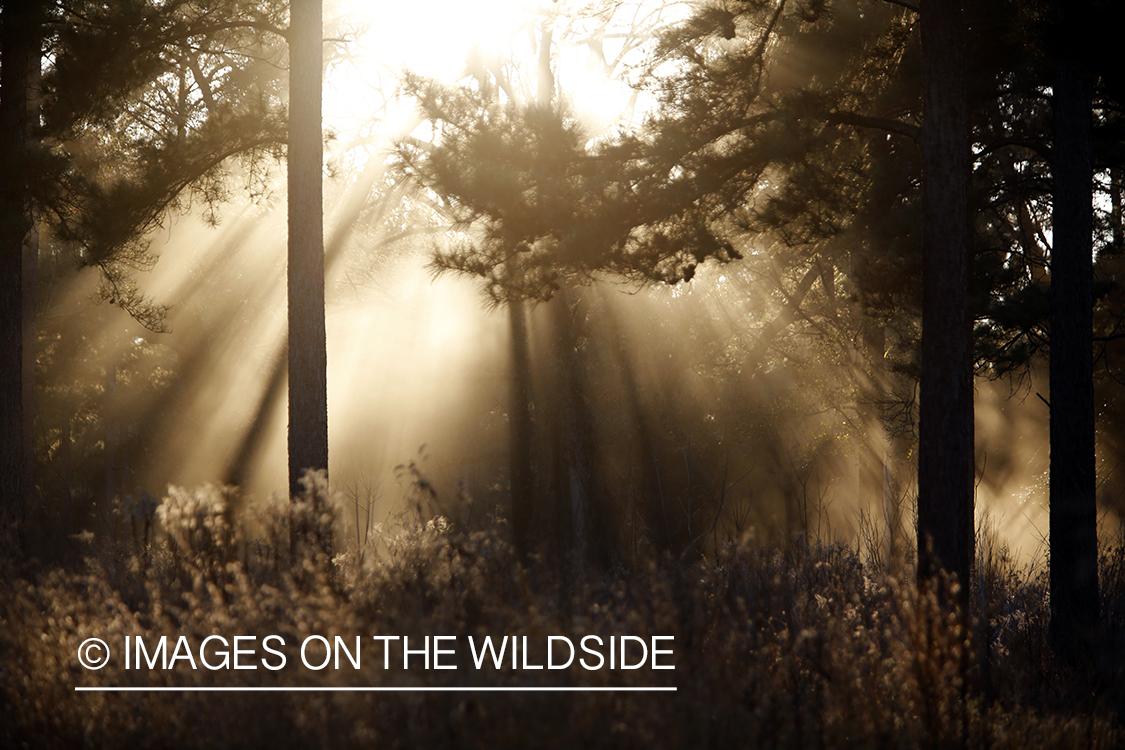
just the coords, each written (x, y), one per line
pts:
(945, 464)
(1117, 214)
(111, 405)
(520, 430)
(584, 522)
(308, 359)
(644, 489)
(520, 427)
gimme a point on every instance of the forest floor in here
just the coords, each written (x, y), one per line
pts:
(803, 644)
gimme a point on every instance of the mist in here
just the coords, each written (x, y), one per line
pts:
(697, 424)
(676, 417)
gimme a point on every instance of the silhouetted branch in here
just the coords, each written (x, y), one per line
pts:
(906, 5)
(912, 132)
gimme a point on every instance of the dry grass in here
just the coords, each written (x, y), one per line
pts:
(800, 646)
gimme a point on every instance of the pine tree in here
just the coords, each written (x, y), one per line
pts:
(554, 213)
(146, 106)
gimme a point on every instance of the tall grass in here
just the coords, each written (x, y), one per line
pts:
(794, 646)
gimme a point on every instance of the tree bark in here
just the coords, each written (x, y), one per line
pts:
(946, 462)
(308, 358)
(21, 45)
(520, 430)
(1073, 513)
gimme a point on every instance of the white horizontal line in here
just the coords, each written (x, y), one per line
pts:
(483, 689)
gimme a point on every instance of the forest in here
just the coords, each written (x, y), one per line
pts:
(759, 355)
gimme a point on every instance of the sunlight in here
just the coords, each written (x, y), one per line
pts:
(599, 101)
(378, 42)
(619, 326)
(433, 39)
(594, 46)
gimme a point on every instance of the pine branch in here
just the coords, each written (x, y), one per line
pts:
(913, 132)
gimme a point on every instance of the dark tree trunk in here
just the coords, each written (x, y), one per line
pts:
(111, 407)
(1074, 538)
(583, 526)
(308, 358)
(520, 430)
(945, 464)
(21, 45)
(30, 294)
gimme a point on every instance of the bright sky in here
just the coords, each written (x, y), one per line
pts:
(431, 38)
(434, 37)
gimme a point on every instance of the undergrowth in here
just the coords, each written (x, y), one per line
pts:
(802, 645)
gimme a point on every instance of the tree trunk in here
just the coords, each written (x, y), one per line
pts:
(583, 524)
(520, 430)
(1074, 538)
(945, 464)
(111, 407)
(21, 46)
(308, 358)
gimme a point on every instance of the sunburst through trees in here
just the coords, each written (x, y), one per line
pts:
(632, 287)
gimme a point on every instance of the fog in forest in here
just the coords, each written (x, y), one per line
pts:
(709, 411)
(765, 354)
(696, 423)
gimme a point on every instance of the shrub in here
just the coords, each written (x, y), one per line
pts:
(798, 646)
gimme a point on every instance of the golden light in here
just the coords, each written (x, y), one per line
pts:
(593, 45)
(434, 38)
(380, 40)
